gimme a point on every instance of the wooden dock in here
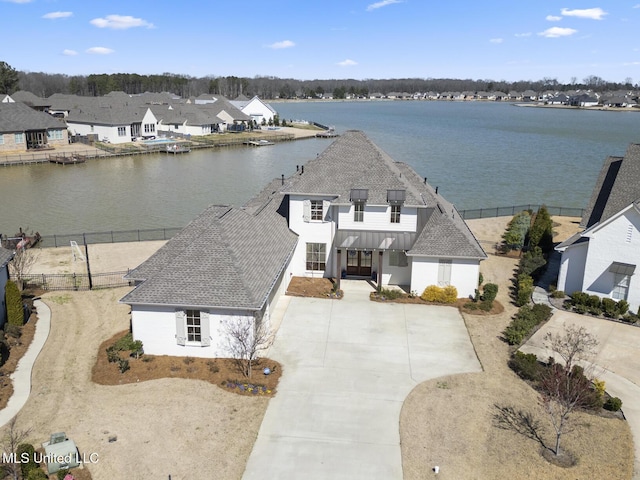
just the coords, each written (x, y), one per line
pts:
(67, 159)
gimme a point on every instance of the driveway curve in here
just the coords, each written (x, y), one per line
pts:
(348, 366)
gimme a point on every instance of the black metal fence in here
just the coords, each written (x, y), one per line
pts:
(75, 281)
(113, 236)
(510, 211)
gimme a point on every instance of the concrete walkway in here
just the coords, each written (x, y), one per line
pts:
(617, 362)
(21, 378)
(348, 366)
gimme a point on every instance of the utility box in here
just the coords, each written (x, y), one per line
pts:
(60, 453)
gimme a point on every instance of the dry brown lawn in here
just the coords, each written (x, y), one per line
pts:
(449, 421)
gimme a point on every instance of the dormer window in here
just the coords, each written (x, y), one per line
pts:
(358, 212)
(396, 197)
(360, 195)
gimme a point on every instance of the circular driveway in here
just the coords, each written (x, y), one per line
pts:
(348, 366)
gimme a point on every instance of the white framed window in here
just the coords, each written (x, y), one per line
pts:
(395, 213)
(54, 134)
(397, 258)
(358, 212)
(149, 128)
(316, 210)
(444, 272)
(194, 327)
(316, 256)
(122, 131)
(19, 138)
(620, 287)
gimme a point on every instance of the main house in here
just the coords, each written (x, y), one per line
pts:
(602, 259)
(352, 212)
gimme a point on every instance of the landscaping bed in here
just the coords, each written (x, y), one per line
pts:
(313, 287)
(223, 372)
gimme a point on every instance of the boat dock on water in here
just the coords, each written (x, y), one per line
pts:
(178, 148)
(67, 159)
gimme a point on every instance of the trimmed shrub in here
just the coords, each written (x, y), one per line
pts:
(579, 298)
(489, 293)
(594, 301)
(610, 307)
(391, 293)
(630, 318)
(622, 307)
(123, 365)
(525, 290)
(600, 387)
(433, 293)
(30, 464)
(524, 322)
(613, 404)
(525, 365)
(516, 231)
(37, 474)
(532, 263)
(557, 294)
(13, 299)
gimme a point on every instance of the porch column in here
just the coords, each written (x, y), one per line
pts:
(338, 268)
(380, 253)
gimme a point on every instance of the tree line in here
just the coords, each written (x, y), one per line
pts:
(267, 87)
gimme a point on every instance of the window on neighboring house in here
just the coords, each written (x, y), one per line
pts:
(444, 273)
(19, 138)
(316, 210)
(316, 256)
(358, 212)
(176, 126)
(122, 131)
(149, 128)
(194, 327)
(395, 213)
(1, 139)
(397, 259)
(54, 134)
(621, 287)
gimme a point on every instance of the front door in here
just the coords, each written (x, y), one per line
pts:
(359, 262)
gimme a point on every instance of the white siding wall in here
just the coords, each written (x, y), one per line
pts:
(102, 131)
(572, 268)
(156, 328)
(395, 275)
(609, 244)
(378, 217)
(314, 231)
(257, 111)
(464, 274)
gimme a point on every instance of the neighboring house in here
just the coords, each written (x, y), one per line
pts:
(259, 111)
(352, 212)
(602, 259)
(23, 129)
(31, 100)
(584, 100)
(112, 121)
(5, 258)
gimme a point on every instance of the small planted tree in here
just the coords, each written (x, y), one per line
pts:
(565, 387)
(246, 339)
(10, 444)
(22, 263)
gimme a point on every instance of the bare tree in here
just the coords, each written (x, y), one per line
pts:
(563, 388)
(23, 261)
(246, 339)
(12, 438)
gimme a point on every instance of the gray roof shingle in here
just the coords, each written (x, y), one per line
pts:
(617, 187)
(5, 256)
(18, 117)
(227, 257)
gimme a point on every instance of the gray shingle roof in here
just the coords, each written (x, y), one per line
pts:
(18, 117)
(617, 187)
(5, 256)
(30, 99)
(227, 257)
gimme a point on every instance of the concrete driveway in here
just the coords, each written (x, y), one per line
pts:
(348, 366)
(617, 362)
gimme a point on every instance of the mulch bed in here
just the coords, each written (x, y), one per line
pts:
(313, 287)
(223, 372)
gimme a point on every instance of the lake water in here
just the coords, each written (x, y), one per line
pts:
(478, 154)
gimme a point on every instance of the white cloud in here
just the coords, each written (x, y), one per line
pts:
(69, 53)
(556, 32)
(120, 22)
(99, 51)
(283, 44)
(56, 15)
(496, 40)
(636, 6)
(18, 1)
(553, 18)
(592, 13)
(347, 63)
(520, 35)
(381, 4)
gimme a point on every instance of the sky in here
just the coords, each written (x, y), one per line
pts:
(371, 39)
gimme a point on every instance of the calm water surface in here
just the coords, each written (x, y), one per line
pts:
(479, 154)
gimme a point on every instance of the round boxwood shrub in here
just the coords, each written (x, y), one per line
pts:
(613, 404)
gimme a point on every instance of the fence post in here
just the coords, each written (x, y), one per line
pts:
(75, 285)
(111, 236)
(138, 234)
